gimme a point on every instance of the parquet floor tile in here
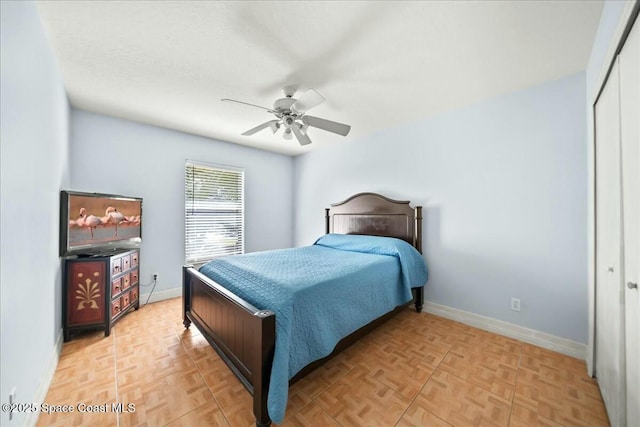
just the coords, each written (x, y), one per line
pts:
(146, 363)
(416, 416)
(216, 374)
(454, 331)
(303, 392)
(536, 358)
(336, 368)
(523, 417)
(236, 403)
(164, 400)
(414, 370)
(358, 399)
(561, 396)
(208, 414)
(78, 419)
(459, 402)
(196, 345)
(311, 415)
(404, 374)
(483, 369)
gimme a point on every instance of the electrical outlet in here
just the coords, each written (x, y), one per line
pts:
(515, 304)
(155, 276)
(12, 400)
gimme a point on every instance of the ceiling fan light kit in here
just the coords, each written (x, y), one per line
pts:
(291, 115)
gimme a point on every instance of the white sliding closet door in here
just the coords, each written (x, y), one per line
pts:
(609, 342)
(617, 314)
(630, 155)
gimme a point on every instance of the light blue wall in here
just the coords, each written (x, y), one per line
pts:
(34, 113)
(111, 155)
(504, 187)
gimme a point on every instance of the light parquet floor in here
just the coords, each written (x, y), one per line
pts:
(415, 370)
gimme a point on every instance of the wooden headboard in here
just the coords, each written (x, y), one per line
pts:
(376, 215)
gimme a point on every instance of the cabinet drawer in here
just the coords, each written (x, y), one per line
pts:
(116, 266)
(125, 301)
(116, 308)
(133, 295)
(134, 259)
(126, 262)
(134, 277)
(116, 287)
(126, 281)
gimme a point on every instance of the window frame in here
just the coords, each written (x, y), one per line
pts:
(201, 258)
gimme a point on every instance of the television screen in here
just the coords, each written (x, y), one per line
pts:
(91, 222)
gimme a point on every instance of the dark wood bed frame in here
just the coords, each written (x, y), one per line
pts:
(244, 336)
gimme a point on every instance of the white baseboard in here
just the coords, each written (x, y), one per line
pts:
(531, 336)
(41, 393)
(161, 295)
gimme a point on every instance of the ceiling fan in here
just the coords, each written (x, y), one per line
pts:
(291, 115)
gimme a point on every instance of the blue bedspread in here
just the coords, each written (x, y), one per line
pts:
(320, 294)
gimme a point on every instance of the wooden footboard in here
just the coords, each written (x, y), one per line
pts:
(243, 335)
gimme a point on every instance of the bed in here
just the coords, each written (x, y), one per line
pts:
(245, 336)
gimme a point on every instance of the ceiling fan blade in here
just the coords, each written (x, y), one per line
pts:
(328, 125)
(301, 137)
(246, 103)
(260, 127)
(307, 101)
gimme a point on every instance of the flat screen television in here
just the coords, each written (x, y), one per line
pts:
(94, 223)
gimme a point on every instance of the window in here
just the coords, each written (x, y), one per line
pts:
(214, 211)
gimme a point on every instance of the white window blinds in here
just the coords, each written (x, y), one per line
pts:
(214, 212)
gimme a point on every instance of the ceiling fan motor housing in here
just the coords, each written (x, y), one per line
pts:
(284, 104)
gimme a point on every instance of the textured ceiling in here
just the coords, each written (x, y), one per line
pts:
(378, 64)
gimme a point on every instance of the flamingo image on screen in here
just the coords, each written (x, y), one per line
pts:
(93, 220)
